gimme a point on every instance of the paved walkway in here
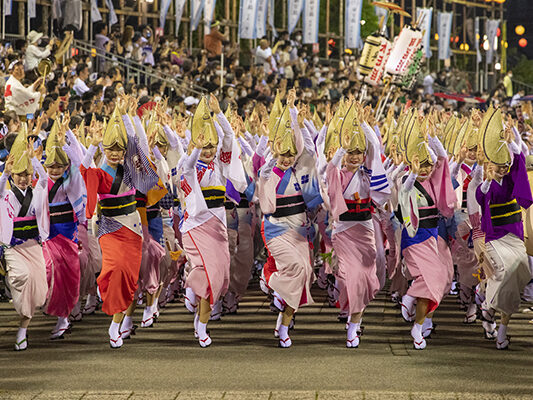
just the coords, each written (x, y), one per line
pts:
(165, 362)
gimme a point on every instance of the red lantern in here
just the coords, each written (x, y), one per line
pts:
(498, 32)
(522, 42)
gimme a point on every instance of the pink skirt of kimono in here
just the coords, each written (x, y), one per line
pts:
(206, 247)
(294, 274)
(63, 275)
(356, 253)
(428, 270)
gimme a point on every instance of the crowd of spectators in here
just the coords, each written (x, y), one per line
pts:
(87, 86)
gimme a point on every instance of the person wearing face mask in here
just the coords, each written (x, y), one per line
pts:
(353, 190)
(66, 197)
(287, 189)
(426, 192)
(501, 195)
(119, 229)
(213, 160)
(34, 54)
(25, 223)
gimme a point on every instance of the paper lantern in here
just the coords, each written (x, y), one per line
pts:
(522, 42)
(520, 30)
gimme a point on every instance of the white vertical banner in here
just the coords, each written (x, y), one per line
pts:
(56, 10)
(271, 8)
(8, 7)
(476, 39)
(247, 19)
(165, 4)
(310, 23)
(178, 13)
(196, 13)
(32, 13)
(112, 14)
(424, 15)
(444, 30)
(295, 10)
(492, 28)
(261, 24)
(209, 11)
(352, 24)
(95, 12)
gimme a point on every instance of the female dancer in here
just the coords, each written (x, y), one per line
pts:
(287, 188)
(203, 226)
(352, 191)
(426, 192)
(24, 221)
(125, 169)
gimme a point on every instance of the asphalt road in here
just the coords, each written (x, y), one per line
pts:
(244, 361)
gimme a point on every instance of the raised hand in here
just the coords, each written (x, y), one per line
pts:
(415, 165)
(214, 105)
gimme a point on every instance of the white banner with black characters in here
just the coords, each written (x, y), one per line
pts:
(311, 20)
(424, 16)
(247, 19)
(353, 24)
(444, 30)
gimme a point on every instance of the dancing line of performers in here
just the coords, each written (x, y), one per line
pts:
(137, 205)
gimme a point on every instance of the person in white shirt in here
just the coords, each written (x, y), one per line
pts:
(80, 87)
(34, 54)
(263, 56)
(22, 100)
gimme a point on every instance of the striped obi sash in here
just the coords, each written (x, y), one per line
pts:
(121, 204)
(289, 205)
(429, 217)
(61, 213)
(358, 210)
(506, 213)
(25, 228)
(465, 191)
(214, 196)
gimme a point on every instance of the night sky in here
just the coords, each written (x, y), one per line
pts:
(520, 12)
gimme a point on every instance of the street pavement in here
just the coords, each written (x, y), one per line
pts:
(244, 362)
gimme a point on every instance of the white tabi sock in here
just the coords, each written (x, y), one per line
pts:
(114, 330)
(21, 334)
(427, 326)
(62, 323)
(283, 332)
(127, 323)
(416, 332)
(202, 330)
(353, 328)
(502, 333)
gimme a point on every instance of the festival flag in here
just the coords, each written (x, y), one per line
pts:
(56, 10)
(492, 28)
(95, 12)
(197, 7)
(247, 19)
(261, 24)
(310, 23)
(165, 4)
(112, 14)
(295, 10)
(424, 16)
(209, 11)
(178, 10)
(353, 24)
(444, 30)
(32, 13)
(271, 8)
(8, 6)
